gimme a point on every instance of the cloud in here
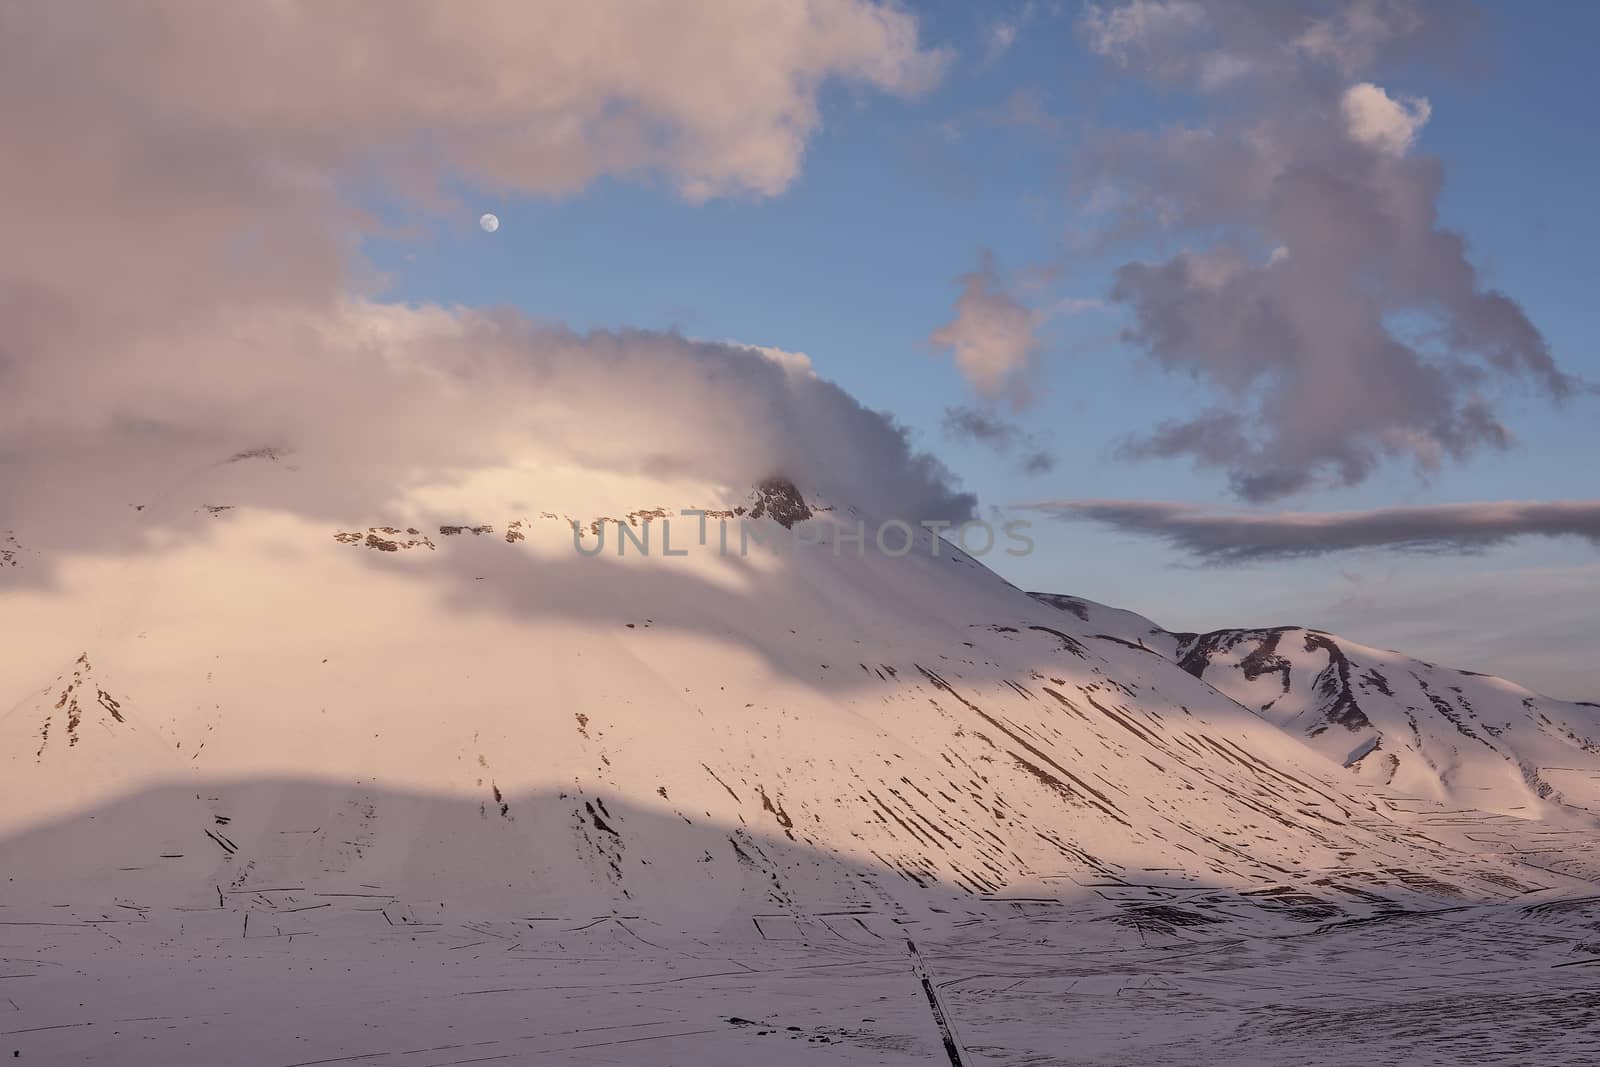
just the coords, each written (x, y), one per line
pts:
(182, 200)
(1040, 461)
(795, 361)
(381, 403)
(1000, 34)
(1244, 537)
(1025, 108)
(987, 428)
(993, 337)
(972, 424)
(998, 39)
(1373, 118)
(1331, 320)
(1216, 45)
(1149, 33)
(219, 143)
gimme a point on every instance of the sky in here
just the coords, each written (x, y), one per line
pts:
(1238, 263)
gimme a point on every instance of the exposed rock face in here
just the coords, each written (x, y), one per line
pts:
(1261, 656)
(778, 499)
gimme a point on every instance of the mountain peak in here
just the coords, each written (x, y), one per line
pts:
(777, 498)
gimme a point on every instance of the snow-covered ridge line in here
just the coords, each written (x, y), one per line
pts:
(1389, 719)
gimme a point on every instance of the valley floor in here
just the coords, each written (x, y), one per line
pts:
(332, 983)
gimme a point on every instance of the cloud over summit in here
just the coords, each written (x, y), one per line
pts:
(181, 275)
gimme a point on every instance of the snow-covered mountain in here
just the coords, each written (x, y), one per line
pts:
(913, 715)
(249, 721)
(1451, 735)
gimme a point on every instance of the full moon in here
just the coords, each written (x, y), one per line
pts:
(490, 223)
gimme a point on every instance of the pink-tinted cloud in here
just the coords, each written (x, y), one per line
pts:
(180, 276)
(1312, 230)
(993, 338)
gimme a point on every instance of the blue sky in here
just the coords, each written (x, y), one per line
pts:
(858, 262)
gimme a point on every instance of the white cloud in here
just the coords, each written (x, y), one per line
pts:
(380, 401)
(1373, 118)
(794, 362)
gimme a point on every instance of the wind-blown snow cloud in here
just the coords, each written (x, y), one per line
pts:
(1313, 232)
(180, 276)
(993, 337)
(1243, 537)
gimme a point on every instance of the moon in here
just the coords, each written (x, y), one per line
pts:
(489, 222)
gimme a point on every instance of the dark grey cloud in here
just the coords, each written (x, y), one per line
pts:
(1038, 462)
(1309, 233)
(963, 423)
(1243, 537)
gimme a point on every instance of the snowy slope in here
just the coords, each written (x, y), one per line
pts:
(1389, 719)
(805, 717)
(286, 779)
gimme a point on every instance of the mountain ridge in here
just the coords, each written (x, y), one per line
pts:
(1387, 717)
